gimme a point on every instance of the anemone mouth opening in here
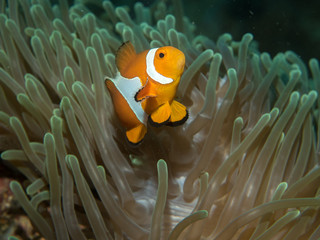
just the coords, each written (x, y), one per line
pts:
(243, 166)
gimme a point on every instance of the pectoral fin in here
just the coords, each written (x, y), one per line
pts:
(147, 91)
(161, 115)
(136, 135)
(179, 114)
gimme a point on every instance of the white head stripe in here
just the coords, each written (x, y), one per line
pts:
(151, 70)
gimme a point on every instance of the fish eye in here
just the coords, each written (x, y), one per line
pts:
(161, 55)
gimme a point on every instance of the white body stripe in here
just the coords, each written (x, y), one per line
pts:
(128, 89)
(151, 70)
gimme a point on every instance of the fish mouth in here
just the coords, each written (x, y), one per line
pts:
(181, 62)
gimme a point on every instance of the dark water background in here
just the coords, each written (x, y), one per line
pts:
(277, 26)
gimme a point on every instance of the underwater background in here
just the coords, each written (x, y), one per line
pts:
(277, 26)
(244, 166)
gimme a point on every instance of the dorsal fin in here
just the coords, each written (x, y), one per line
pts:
(125, 55)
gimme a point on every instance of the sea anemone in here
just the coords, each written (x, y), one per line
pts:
(244, 165)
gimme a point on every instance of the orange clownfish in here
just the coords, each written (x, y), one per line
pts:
(144, 88)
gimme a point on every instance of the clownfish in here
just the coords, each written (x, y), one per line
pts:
(145, 87)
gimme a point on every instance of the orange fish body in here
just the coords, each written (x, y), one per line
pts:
(145, 87)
